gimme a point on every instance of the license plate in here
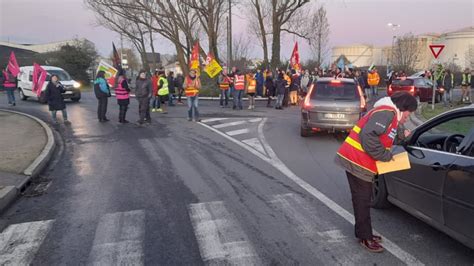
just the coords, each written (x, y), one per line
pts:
(334, 116)
(68, 92)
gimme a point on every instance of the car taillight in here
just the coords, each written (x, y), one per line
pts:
(390, 89)
(363, 104)
(412, 90)
(307, 99)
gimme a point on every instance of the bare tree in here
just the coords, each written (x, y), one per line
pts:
(319, 37)
(406, 52)
(258, 17)
(241, 52)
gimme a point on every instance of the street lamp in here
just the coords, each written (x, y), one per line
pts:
(390, 59)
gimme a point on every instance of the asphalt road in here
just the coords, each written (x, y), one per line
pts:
(242, 187)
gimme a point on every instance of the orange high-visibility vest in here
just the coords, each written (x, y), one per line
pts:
(373, 79)
(192, 87)
(351, 149)
(252, 85)
(239, 82)
(225, 84)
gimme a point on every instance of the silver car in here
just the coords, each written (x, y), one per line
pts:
(332, 105)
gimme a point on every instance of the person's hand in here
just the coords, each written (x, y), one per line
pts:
(407, 133)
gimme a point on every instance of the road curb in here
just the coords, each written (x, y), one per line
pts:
(206, 98)
(9, 193)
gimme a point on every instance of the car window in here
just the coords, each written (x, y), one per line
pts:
(428, 82)
(403, 82)
(334, 91)
(419, 83)
(63, 75)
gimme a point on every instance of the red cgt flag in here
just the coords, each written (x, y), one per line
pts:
(39, 77)
(194, 62)
(13, 67)
(295, 58)
(117, 62)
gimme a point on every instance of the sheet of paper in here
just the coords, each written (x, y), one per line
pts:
(399, 162)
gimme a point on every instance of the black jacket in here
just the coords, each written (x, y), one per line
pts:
(171, 84)
(280, 86)
(270, 85)
(54, 96)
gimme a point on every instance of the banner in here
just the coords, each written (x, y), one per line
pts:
(109, 70)
(13, 67)
(39, 77)
(212, 67)
(194, 60)
(295, 58)
(117, 61)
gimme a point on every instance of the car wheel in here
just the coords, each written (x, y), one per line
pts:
(379, 193)
(22, 95)
(304, 132)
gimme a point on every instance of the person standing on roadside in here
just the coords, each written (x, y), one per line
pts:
(172, 88)
(163, 92)
(143, 91)
(192, 85)
(224, 85)
(251, 86)
(466, 86)
(179, 86)
(260, 79)
(102, 93)
(360, 79)
(122, 93)
(239, 88)
(281, 88)
(54, 97)
(295, 87)
(9, 85)
(448, 85)
(270, 88)
(373, 80)
(370, 141)
(305, 83)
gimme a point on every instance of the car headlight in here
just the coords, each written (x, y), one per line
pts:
(76, 85)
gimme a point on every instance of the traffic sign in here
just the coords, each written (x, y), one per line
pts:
(436, 49)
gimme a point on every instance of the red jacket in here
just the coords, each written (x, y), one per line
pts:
(154, 84)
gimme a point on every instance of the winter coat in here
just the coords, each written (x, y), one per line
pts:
(305, 82)
(143, 88)
(171, 84)
(179, 82)
(54, 96)
(281, 86)
(259, 78)
(270, 85)
(101, 88)
(295, 83)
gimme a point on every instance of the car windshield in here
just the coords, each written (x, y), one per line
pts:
(334, 91)
(403, 82)
(63, 75)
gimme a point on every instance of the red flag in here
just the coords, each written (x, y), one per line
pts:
(117, 62)
(13, 67)
(39, 76)
(295, 58)
(194, 61)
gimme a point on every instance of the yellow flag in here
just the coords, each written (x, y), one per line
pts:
(212, 67)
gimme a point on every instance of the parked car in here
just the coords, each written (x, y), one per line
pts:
(439, 187)
(332, 105)
(419, 87)
(25, 83)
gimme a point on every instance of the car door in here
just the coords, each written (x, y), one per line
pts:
(420, 189)
(458, 200)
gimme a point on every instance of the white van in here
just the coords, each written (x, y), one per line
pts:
(25, 83)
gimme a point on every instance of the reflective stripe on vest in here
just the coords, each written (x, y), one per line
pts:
(163, 91)
(225, 84)
(252, 86)
(191, 87)
(352, 150)
(120, 92)
(239, 83)
(466, 79)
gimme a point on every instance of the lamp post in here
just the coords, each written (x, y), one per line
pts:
(390, 58)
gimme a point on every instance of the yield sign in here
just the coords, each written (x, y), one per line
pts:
(436, 49)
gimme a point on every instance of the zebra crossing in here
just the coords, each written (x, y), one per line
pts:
(221, 237)
(242, 129)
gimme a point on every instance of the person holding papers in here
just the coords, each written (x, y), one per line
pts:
(370, 141)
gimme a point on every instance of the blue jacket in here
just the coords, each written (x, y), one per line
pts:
(103, 85)
(259, 78)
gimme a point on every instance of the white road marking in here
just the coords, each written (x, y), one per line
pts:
(328, 242)
(20, 242)
(255, 143)
(255, 120)
(221, 239)
(238, 132)
(213, 119)
(119, 239)
(230, 124)
(398, 252)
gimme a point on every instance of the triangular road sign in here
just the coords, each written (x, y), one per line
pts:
(436, 49)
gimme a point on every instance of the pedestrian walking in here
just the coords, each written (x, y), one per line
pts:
(373, 80)
(102, 93)
(122, 93)
(224, 85)
(270, 88)
(466, 86)
(9, 85)
(192, 85)
(179, 86)
(370, 141)
(260, 80)
(54, 97)
(448, 85)
(239, 88)
(172, 88)
(251, 87)
(281, 88)
(143, 91)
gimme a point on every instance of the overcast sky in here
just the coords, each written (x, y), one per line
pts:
(351, 21)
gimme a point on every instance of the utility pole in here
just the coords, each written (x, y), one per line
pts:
(229, 37)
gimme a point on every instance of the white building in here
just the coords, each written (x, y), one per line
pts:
(43, 48)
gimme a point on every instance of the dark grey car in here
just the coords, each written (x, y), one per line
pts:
(439, 187)
(332, 105)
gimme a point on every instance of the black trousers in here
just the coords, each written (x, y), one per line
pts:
(361, 195)
(102, 108)
(144, 109)
(123, 105)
